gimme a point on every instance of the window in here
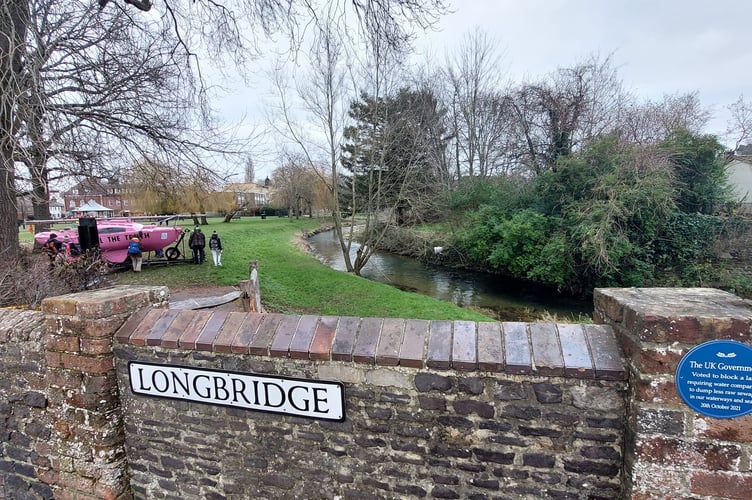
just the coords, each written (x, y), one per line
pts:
(111, 230)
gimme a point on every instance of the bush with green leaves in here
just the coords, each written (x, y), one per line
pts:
(611, 215)
(699, 172)
(691, 238)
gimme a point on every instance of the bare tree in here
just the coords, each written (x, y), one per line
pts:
(324, 92)
(739, 128)
(299, 187)
(96, 91)
(158, 187)
(220, 27)
(372, 192)
(14, 21)
(651, 122)
(558, 115)
(479, 116)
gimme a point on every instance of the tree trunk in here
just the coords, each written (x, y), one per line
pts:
(14, 20)
(9, 249)
(40, 199)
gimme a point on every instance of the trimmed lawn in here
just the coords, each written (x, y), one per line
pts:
(291, 280)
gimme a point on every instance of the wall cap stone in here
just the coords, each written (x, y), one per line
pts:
(550, 349)
(661, 316)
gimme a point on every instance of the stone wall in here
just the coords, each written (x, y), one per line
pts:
(25, 425)
(64, 436)
(435, 409)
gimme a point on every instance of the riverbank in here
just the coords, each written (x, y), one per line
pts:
(731, 269)
(502, 298)
(292, 280)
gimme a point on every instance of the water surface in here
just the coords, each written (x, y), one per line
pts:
(511, 300)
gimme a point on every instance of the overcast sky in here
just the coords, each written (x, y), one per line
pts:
(659, 46)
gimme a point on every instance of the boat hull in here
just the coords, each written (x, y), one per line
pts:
(114, 237)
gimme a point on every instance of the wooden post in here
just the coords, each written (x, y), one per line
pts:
(253, 291)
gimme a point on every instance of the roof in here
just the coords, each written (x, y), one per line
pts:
(92, 206)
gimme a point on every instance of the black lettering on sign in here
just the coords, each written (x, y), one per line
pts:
(288, 396)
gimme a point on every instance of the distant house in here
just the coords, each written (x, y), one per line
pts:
(26, 208)
(56, 209)
(740, 177)
(250, 196)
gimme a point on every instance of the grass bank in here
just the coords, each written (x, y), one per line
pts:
(291, 280)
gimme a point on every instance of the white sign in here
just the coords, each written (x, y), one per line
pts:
(288, 396)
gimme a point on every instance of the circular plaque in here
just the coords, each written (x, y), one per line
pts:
(715, 379)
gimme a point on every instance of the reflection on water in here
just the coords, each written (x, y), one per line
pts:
(510, 299)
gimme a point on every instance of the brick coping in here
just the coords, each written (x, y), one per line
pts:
(546, 349)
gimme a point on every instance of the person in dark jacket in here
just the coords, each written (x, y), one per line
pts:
(197, 243)
(52, 247)
(215, 245)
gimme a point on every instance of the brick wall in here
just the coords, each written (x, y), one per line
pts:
(673, 452)
(63, 436)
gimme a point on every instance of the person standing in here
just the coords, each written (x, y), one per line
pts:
(215, 244)
(135, 253)
(197, 243)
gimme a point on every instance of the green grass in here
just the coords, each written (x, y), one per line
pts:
(292, 281)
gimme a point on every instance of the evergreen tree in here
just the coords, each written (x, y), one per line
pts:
(392, 152)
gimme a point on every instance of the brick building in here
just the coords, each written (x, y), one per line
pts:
(108, 193)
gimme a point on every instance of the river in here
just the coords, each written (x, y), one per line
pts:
(510, 300)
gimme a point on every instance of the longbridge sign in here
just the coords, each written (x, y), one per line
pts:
(288, 396)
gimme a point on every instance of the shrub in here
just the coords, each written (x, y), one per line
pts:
(26, 281)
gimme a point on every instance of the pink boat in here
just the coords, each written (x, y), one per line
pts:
(114, 236)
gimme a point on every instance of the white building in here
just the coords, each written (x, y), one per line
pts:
(740, 177)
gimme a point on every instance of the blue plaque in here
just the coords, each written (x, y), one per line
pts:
(715, 379)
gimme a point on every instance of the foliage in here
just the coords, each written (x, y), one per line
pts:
(691, 238)
(391, 151)
(505, 193)
(474, 239)
(300, 188)
(604, 217)
(699, 170)
(161, 188)
(521, 245)
(741, 286)
(518, 242)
